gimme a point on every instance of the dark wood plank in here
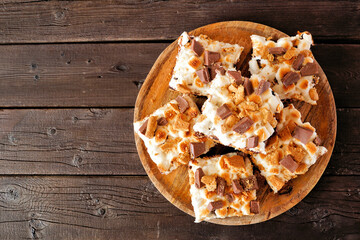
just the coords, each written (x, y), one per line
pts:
(131, 208)
(99, 75)
(70, 21)
(101, 141)
(342, 67)
(74, 74)
(68, 141)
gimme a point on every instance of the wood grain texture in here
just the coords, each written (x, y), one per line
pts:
(68, 141)
(131, 208)
(109, 75)
(155, 92)
(101, 142)
(73, 21)
(74, 74)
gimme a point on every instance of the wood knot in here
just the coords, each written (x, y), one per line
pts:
(51, 131)
(12, 139)
(59, 15)
(10, 194)
(138, 83)
(75, 119)
(101, 211)
(36, 77)
(119, 68)
(77, 160)
(36, 226)
(34, 66)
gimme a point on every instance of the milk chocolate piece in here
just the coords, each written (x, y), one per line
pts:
(229, 197)
(309, 69)
(215, 205)
(249, 183)
(317, 141)
(236, 75)
(221, 184)
(248, 87)
(261, 180)
(277, 50)
(237, 188)
(297, 63)
(224, 111)
(263, 86)
(215, 69)
(162, 121)
(243, 125)
(197, 47)
(199, 173)
(289, 163)
(143, 127)
(252, 142)
(199, 135)
(254, 207)
(203, 75)
(211, 57)
(183, 104)
(303, 134)
(196, 149)
(290, 78)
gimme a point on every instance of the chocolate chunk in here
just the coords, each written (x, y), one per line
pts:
(236, 75)
(214, 137)
(183, 104)
(277, 50)
(290, 78)
(197, 47)
(199, 173)
(243, 125)
(289, 163)
(317, 141)
(309, 69)
(211, 57)
(252, 142)
(254, 207)
(162, 121)
(203, 75)
(298, 62)
(199, 135)
(224, 111)
(196, 149)
(261, 180)
(258, 61)
(248, 87)
(249, 183)
(303, 134)
(237, 188)
(221, 184)
(143, 127)
(229, 197)
(215, 69)
(263, 86)
(215, 205)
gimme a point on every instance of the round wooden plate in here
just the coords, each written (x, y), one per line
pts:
(155, 92)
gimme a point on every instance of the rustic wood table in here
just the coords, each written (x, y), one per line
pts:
(70, 73)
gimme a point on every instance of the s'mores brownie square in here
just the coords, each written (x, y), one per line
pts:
(198, 61)
(291, 151)
(289, 64)
(169, 136)
(222, 186)
(240, 112)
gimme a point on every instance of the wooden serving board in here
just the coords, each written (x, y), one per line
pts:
(155, 92)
